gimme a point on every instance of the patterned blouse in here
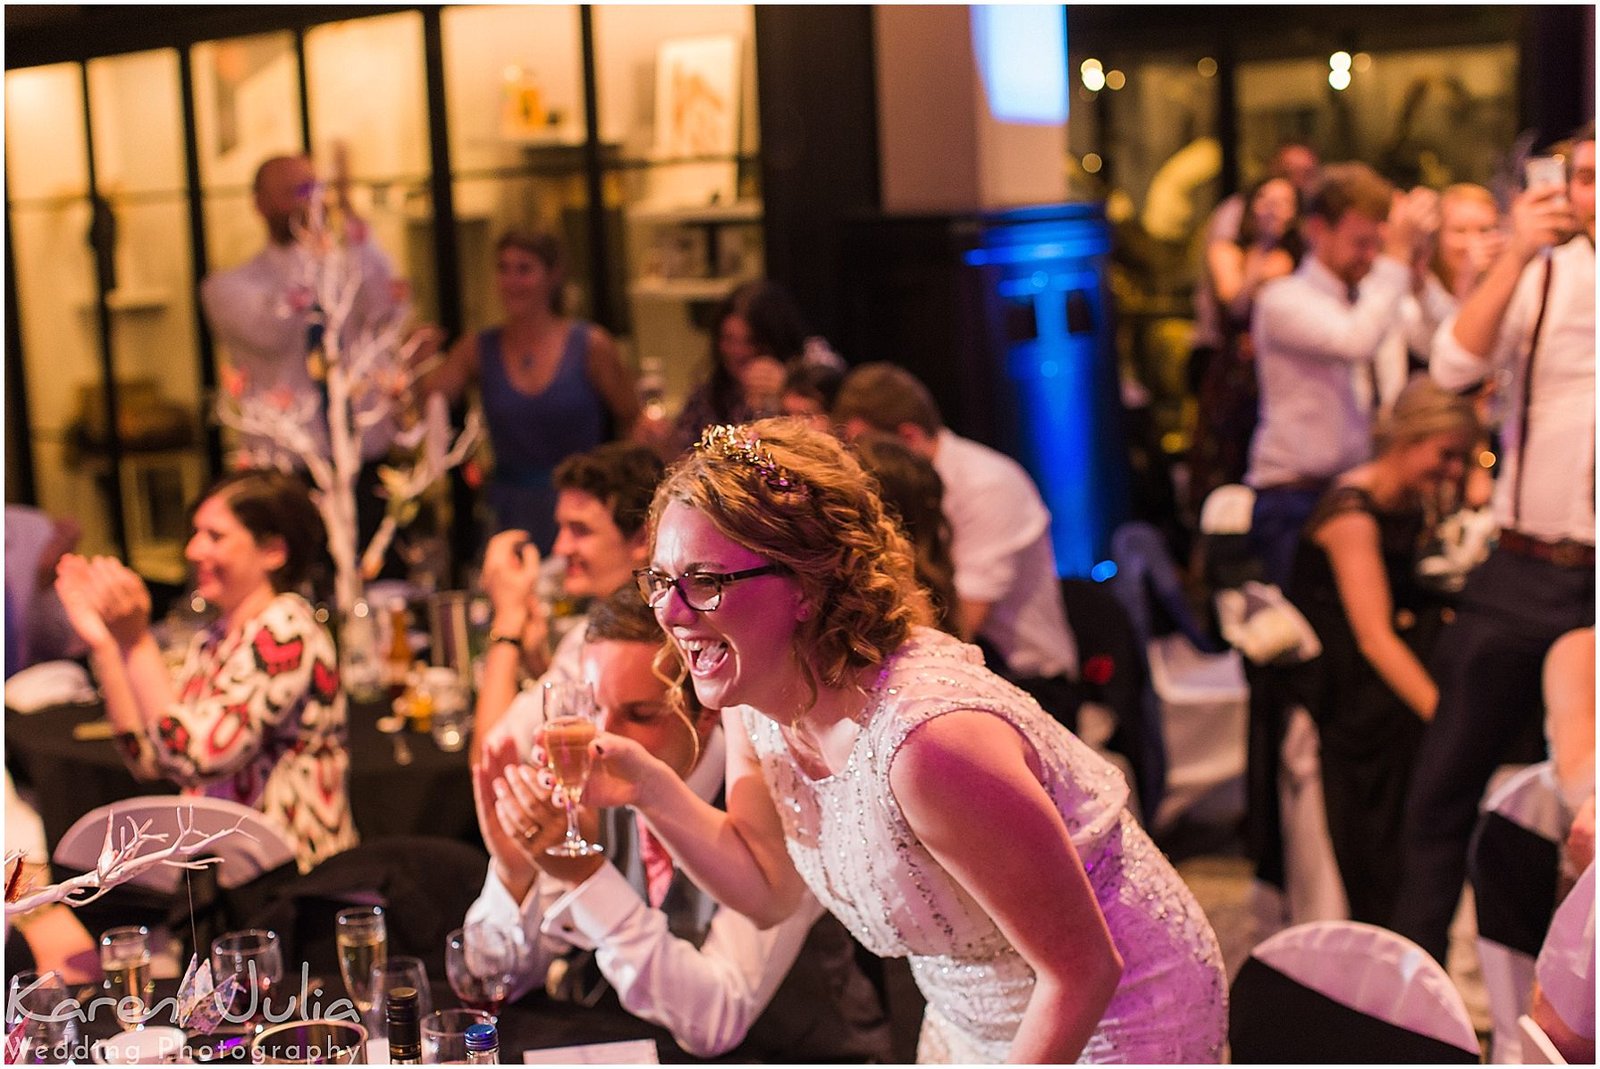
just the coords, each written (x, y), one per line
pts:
(259, 719)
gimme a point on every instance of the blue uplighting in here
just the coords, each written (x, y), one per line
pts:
(1106, 569)
(1022, 56)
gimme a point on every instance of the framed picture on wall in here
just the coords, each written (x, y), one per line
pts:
(697, 119)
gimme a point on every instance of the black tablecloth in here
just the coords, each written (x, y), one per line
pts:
(535, 1023)
(430, 796)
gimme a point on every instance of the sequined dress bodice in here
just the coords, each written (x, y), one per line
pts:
(852, 845)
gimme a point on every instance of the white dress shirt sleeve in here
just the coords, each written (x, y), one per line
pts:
(707, 997)
(245, 311)
(1321, 325)
(1455, 367)
(496, 907)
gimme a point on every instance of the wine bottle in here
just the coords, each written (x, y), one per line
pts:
(405, 1027)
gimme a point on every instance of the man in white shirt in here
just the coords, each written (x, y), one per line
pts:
(261, 311)
(602, 502)
(710, 976)
(1311, 330)
(1006, 581)
(1530, 325)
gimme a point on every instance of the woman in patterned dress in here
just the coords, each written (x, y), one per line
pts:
(932, 806)
(255, 715)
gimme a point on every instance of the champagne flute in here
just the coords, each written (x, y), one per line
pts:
(363, 940)
(125, 959)
(481, 962)
(37, 1004)
(571, 721)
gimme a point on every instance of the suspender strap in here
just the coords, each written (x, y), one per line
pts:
(1527, 393)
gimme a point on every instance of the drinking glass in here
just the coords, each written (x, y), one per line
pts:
(320, 1042)
(363, 940)
(398, 970)
(481, 962)
(255, 958)
(125, 959)
(451, 715)
(571, 720)
(49, 1018)
(444, 1035)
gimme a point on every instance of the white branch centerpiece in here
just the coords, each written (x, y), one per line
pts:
(122, 858)
(365, 373)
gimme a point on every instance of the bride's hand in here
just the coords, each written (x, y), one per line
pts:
(622, 772)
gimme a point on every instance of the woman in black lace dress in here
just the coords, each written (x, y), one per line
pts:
(1355, 580)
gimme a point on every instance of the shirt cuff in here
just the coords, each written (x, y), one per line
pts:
(586, 915)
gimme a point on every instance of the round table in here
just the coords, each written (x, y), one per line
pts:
(431, 795)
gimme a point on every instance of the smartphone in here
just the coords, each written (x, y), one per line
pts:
(1542, 171)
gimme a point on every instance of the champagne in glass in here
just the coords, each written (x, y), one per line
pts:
(362, 936)
(571, 722)
(125, 960)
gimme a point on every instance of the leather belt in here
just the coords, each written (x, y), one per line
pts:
(1563, 554)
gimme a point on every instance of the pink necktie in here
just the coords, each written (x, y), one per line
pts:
(657, 864)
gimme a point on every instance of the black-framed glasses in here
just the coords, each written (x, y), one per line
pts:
(701, 591)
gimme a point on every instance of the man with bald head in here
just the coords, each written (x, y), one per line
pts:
(261, 314)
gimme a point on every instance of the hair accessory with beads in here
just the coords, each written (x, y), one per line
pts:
(742, 445)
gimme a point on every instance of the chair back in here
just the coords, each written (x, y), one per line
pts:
(257, 846)
(1342, 991)
(1513, 860)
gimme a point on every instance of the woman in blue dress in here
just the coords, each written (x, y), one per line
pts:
(552, 385)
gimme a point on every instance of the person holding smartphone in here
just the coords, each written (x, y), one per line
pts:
(1530, 323)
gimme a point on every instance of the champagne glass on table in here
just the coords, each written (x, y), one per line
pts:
(125, 960)
(481, 962)
(571, 721)
(362, 936)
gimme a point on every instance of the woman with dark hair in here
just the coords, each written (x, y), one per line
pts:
(552, 385)
(255, 715)
(1268, 247)
(757, 333)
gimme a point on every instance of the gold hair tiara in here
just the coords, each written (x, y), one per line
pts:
(740, 444)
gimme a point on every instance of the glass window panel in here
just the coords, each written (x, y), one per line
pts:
(514, 96)
(677, 99)
(44, 126)
(137, 123)
(247, 105)
(61, 356)
(365, 84)
(135, 107)
(247, 109)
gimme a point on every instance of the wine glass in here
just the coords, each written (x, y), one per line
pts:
(571, 721)
(363, 940)
(254, 957)
(481, 962)
(125, 960)
(38, 1002)
(397, 970)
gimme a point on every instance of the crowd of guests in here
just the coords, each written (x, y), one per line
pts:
(837, 681)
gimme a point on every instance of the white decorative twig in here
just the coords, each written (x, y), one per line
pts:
(367, 371)
(121, 860)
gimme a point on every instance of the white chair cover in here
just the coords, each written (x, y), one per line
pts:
(1373, 971)
(1312, 884)
(1531, 800)
(260, 848)
(1205, 714)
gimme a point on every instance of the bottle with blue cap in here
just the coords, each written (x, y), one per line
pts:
(483, 1044)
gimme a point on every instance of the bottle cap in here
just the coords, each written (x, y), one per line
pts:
(482, 1037)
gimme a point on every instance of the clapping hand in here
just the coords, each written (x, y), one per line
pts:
(106, 601)
(511, 565)
(762, 379)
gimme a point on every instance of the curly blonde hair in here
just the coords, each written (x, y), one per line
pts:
(798, 498)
